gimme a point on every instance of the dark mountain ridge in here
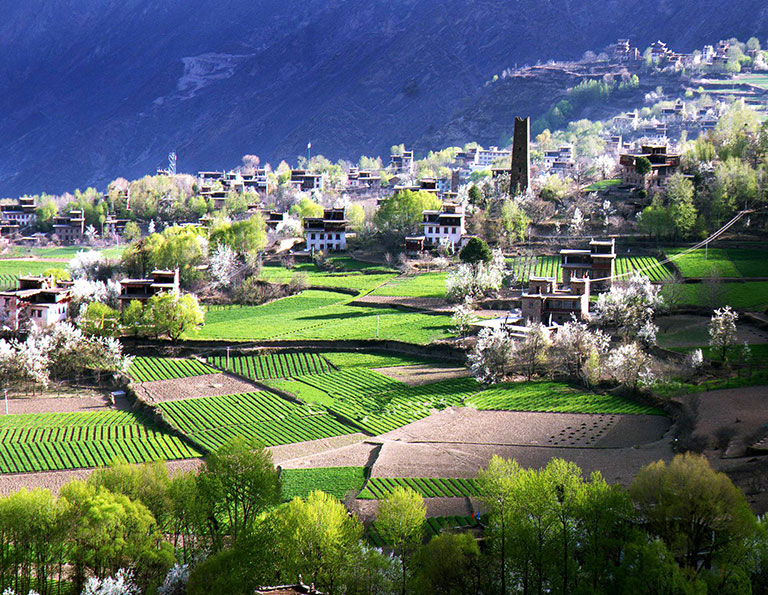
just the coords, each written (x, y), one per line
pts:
(95, 89)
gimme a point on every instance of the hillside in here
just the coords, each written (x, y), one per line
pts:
(94, 89)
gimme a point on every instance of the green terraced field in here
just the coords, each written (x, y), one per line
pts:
(11, 270)
(57, 441)
(523, 267)
(378, 404)
(356, 279)
(434, 526)
(426, 285)
(648, 266)
(694, 264)
(273, 365)
(553, 397)
(752, 295)
(360, 359)
(321, 315)
(336, 481)
(148, 369)
(272, 420)
(379, 488)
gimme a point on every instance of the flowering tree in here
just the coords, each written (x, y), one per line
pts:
(580, 350)
(223, 266)
(89, 264)
(530, 354)
(121, 584)
(722, 330)
(463, 316)
(176, 580)
(476, 280)
(491, 356)
(630, 307)
(630, 366)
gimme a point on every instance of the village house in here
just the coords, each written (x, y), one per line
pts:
(70, 229)
(19, 211)
(445, 226)
(41, 301)
(402, 163)
(546, 302)
(143, 289)
(559, 161)
(273, 218)
(305, 181)
(484, 158)
(598, 262)
(327, 233)
(663, 165)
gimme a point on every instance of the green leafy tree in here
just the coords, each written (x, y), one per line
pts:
(698, 512)
(401, 520)
(132, 232)
(306, 207)
(173, 315)
(100, 320)
(449, 563)
(515, 221)
(244, 237)
(319, 540)
(476, 251)
(133, 317)
(45, 213)
(402, 212)
(236, 484)
(643, 166)
(682, 210)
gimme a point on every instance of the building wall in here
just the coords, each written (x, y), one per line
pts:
(326, 241)
(521, 161)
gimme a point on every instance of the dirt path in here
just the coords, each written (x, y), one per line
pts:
(64, 404)
(422, 373)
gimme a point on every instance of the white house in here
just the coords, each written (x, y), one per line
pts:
(327, 233)
(38, 300)
(444, 226)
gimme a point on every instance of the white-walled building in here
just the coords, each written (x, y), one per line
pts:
(327, 233)
(444, 226)
(37, 300)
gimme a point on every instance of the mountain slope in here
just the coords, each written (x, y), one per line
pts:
(94, 89)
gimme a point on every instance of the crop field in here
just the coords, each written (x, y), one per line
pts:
(758, 80)
(603, 185)
(378, 404)
(57, 441)
(751, 295)
(321, 315)
(379, 488)
(11, 270)
(336, 481)
(724, 262)
(356, 279)
(148, 369)
(263, 416)
(273, 365)
(554, 397)
(426, 285)
(648, 266)
(542, 266)
(360, 359)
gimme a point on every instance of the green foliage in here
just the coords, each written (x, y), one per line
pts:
(174, 315)
(449, 563)
(402, 212)
(642, 166)
(515, 221)
(100, 320)
(182, 248)
(306, 207)
(476, 250)
(401, 519)
(244, 237)
(46, 211)
(133, 317)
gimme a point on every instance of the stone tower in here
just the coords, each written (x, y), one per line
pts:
(520, 172)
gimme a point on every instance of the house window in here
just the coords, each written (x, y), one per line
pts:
(338, 236)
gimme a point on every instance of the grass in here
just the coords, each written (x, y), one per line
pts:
(694, 264)
(555, 397)
(741, 296)
(675, 388)
(11, 270)
(62, 252)
(321, 315)
(316, 277)
(759, 352)
(426, 285)
(148, 369)
(261, 416)
(273, 365)
(379, 488)
(602, 185)
(57, 441)
(336, 481)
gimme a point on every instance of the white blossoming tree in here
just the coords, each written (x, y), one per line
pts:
(630, 366)
(223, 266)
(579, 351)
(630, 307)
(491, 356)
(463, 317)
(722, 331)
(121, 584)
(476, 280)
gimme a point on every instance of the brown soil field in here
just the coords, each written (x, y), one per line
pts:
(206, 385)
(64, 404)
(359, 454)
(288, 452)
(744, 409)
(696, 327)
(422, 373)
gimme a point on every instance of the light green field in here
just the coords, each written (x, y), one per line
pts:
(602, 185)
(751, 295)
(428, 285)
(726, 262)
(336, 481)
(315, 277)
(320, 315)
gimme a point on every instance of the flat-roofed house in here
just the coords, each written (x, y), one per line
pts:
(327, 233)
(38, 300)
(143, 289)
(598, 262)
(402, 163)
(70, 228)
(546, 302)
(445, 226)
(663, 165)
